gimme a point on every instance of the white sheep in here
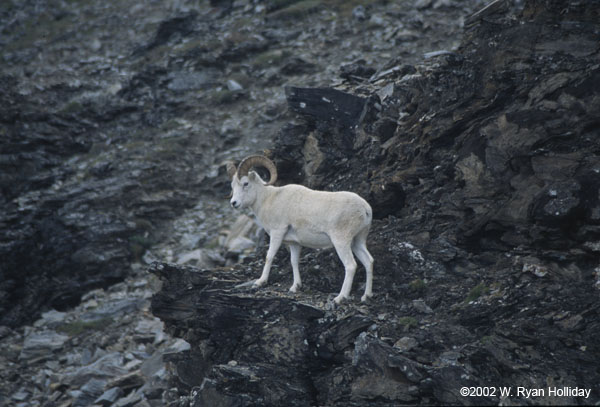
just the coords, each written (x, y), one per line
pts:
(299, 216)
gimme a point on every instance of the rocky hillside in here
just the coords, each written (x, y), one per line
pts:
(471, 128)
(481, 165)
(115, 117)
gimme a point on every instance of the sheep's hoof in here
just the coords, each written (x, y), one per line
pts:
(365, 297)
(295, 287)
(248, 284)
(258, 283)
(339, 299)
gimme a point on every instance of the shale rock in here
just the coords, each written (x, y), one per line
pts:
(499, 150)
(479, 164)
(114, 120)
(475, 144)
(248, 346)
(88, 355)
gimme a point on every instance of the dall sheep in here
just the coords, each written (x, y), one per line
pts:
(299, 216)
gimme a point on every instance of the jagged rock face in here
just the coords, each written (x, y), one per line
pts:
(414, 343)
(269, 349)
(114, 118)
(94, 168)
(513, 144)
(482, 170)
(495, 146)
(109, 350)
(480, 165)
(69, 223)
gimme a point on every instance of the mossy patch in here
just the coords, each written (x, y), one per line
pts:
(194, 44)
(225, 96)
(417, 285)
(274, 5)
(170, 146)
(213, 244)
(345, 7)
(486, 340)
(298, 10)
(78, 327)
(268, 58)
(143, 224)
(142, 240)
(476, 292)
(78, 2)
(242, 79)
(169, 125)
(408, 322)
(71, 107)
(138, 244)
(293, 9)
(42, 29)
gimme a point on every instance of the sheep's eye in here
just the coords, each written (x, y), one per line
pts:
(245, 184)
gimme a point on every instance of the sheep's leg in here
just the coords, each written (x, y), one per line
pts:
(274, 244)
(342, 247)
(359, 247)
(295, 256)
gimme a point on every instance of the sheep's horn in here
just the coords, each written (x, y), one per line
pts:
(230, 169)
(258, 161)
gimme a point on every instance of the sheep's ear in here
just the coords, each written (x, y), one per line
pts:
(231, 170)
(252, 176)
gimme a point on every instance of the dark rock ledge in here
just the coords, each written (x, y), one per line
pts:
(268, 347)
(482, 171)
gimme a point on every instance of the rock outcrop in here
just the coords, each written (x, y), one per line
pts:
(472, 130)
(481, 166)
(114, 119)
(495, 143)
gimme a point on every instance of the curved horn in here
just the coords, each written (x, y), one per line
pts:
(230, 169)
(258, 161)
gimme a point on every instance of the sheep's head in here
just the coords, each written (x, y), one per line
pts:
(244, 183)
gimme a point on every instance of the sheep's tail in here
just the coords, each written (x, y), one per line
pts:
(369, 213)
